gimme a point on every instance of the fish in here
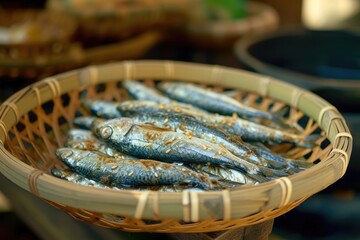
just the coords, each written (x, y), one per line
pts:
(149, 141)
(246, 130)
(96, 145)
(223, 173)
(101, 108)
(253, 132)
(72, 176)
(190, 126)
(80, 134)
(207, 122)
(127, 172)
(139, 90)
(212, 101)
(84, 122)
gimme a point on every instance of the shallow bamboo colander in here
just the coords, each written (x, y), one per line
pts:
(35, 120)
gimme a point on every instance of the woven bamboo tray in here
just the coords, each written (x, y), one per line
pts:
(77, 56)
(35, 33)
(34, 122)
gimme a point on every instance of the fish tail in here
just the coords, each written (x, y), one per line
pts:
(277, 119)
(277, 164)
(307, 141)
(269, 172)
(257, 177)
(301, 164)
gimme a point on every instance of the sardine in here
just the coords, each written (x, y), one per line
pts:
(149, 141)
(191, 126)
(84, 122)
(101, 108)
(139, 90)
(74, 177)
(223, 173)
(96, 145)
(79, 134)
(201, 119)
(211, 101)
(246, 130)
(127, 172)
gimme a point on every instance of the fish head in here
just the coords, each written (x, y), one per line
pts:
(66, 154)
(114, 129)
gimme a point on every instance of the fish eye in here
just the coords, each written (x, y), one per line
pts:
(106, 132)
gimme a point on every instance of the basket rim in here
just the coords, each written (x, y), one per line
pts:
(275, 194)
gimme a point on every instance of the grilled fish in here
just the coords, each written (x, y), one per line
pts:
(74, 177)
(139, 90)
(148, 141)
(192, 127)
(79, 134)
(223, 173)
(71, 176)
(202, 119)
(127, 172)
(210, 100)
(248, 131)
(101, 108)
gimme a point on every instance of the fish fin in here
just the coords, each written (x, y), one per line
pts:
(277, 120)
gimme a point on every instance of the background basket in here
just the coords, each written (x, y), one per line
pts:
(77, 56)
(34, 122)
(48, 32)
(119, 19)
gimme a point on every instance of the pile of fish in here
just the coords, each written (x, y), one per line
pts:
(177, 136)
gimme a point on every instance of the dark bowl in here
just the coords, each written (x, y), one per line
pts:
(325, 62)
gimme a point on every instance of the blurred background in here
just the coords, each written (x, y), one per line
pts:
(311, 43)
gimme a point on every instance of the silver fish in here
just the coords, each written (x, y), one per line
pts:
(96, 145)
(71, 176)
(119, 173)
(203, 120)
(139, 90)
(223, 173)
(79, 134)
(210, 100)
(192, 127)
(101, 108)
(148, 141)
(84, 122)
(74, 177)
(246, 130)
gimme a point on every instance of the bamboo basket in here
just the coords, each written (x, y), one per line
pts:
(45, 33)
(119, 19)
(77, 56)
(34, 122)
